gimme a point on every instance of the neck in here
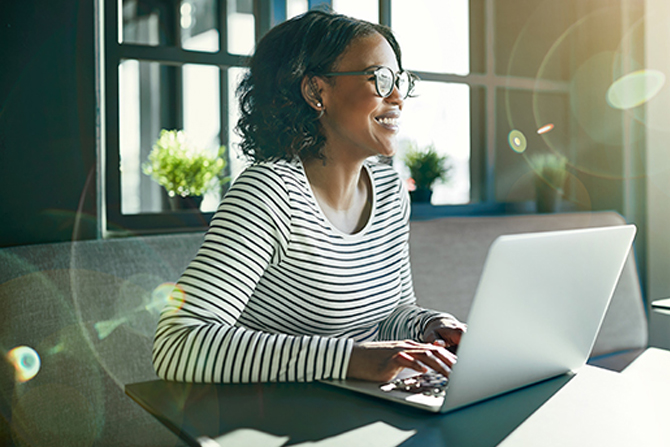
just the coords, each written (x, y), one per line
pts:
(339, 184)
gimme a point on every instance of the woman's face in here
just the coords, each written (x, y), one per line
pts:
(356, 119)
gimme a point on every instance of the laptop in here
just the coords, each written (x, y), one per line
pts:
(539, 305)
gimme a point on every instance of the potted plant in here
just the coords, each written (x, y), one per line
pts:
(550, 174)
(426, 167)
(186, 172)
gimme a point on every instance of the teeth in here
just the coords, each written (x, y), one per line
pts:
(389, 121)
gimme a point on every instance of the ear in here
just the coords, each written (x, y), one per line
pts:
(312, 88)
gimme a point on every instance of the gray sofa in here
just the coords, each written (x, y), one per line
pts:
(89, 310)
(448, 255)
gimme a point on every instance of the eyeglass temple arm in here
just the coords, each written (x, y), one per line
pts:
(346, 73)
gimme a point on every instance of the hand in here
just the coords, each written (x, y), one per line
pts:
(445, 331)
(382, 361)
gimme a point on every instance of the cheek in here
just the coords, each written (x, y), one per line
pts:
(358, 109)
(367, 105)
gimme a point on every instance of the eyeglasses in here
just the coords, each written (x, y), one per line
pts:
(385, 80)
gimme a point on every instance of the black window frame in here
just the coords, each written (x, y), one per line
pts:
(482, 80)
(171, 55)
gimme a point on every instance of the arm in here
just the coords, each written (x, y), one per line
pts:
(198, 338)
(407, 324)
(408, 320)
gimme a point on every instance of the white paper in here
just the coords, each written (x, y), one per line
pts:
(377, 434)
(245, 437)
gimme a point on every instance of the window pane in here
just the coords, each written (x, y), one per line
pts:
(146, 106)
(139, 125)
(433, 34)
(295, 7)
(529, 114)
(440, 116)
(532, 40)
(361, 9)
(241, 33)
(199, 30)
(202, 117)
(144, 22)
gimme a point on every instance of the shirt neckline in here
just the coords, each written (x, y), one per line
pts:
(360, 233)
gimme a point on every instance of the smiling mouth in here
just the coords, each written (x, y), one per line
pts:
(388, 122)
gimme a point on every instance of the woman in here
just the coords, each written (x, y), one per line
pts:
(304, 273)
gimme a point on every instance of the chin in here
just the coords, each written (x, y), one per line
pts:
(389, 151)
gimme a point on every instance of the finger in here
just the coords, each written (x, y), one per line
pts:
(433, 361)
(448, 357)
(411, 344)
(436, 363)
(452, 336)
(408, 361)
(437, 349)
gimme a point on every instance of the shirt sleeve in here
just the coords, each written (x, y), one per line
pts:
(198, 338)
(408, 320)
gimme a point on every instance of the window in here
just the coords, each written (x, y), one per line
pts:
(439, 51)
(169, 64)
(175, 64)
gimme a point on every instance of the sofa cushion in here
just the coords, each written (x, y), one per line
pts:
(89, 309)
(448, 254)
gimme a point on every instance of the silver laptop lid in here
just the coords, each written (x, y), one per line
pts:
(538, 308)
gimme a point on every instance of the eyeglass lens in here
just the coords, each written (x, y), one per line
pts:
(385, 80)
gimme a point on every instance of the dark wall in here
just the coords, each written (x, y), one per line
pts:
(47, 121)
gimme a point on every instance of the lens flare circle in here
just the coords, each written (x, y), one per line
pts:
(517, 141)
(26, 362)
(634, 89)
(168, 293)
(544, 129)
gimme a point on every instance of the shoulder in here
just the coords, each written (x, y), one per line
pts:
(381, 168)
(390, 189)
(384, 176)
(280, 169)
(264, 184)
(274, 175)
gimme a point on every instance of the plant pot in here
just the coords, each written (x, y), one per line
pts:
(421, 195)
(179, 203)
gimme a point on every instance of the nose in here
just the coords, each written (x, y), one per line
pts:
(395, 97)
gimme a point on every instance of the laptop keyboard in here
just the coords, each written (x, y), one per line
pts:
(431, 383)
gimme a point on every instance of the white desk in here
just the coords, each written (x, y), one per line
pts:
(597, 407)
(653, 364)
(605, 408)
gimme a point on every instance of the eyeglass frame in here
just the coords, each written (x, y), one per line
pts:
(396, 77)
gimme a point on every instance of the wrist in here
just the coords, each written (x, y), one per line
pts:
(353, 361)
(431, 323)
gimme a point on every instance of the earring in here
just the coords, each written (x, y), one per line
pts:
(319, 108)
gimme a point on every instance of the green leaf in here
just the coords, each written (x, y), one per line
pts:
(426, 166)
(183, 169)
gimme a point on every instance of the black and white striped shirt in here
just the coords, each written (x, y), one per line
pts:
(276, 293)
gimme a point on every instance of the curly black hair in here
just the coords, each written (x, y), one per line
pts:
(276, 122)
